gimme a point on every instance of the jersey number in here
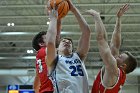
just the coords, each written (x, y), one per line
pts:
(76, 70)
(40, 66)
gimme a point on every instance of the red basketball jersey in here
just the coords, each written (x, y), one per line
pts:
(99, 88)
(41, 67)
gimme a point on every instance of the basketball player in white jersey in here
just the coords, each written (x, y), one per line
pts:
(67, 68)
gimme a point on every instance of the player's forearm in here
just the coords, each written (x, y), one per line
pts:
(50, 38)
(81, 21)
(84, 41)
(116, 37)
(101, 36)
(58, 27)
(52, 31)
(100, 29)
(118, 25)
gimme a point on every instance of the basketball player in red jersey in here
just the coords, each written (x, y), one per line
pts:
(42, 84)
(113, 75)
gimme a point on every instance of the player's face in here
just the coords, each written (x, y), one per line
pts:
(65, 44)
(44, 40)
(121, 59)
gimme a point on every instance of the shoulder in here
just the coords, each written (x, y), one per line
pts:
(41, 52)
(76, 54)
(81, 56)
(122, 75)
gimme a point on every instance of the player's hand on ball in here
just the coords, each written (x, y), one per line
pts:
(53, 13)
(71, 5)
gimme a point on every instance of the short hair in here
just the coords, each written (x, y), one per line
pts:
(69, 40)
(131, 63)
(38, 39)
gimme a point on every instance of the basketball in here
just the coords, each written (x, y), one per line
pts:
(63, 7)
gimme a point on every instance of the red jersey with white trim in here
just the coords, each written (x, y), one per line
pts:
(99, 88)
(41, 67)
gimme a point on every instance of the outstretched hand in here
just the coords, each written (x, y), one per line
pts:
(93, 13)
(52, 12)
(122, 10)
(71, 5)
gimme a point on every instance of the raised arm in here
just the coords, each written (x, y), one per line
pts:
(116, 36)
(51, 37)
(84, 41)
(47, 8)
(58, 36)
(111, 70)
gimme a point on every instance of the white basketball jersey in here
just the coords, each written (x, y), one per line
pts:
(70, 76)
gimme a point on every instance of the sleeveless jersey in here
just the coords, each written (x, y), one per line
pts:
(98, 86)
(41, 67)
(69, 75)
